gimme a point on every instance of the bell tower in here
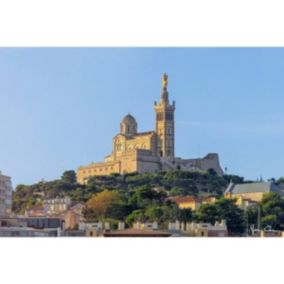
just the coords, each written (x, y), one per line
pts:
(165, 127)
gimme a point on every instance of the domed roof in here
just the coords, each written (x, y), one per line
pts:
(128, 119)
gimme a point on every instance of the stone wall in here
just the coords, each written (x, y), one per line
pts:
(211, 161)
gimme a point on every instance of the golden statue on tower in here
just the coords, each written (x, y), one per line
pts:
(165, 81)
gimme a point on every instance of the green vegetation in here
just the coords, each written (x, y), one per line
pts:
(270, 212)
(144, 197)
(223, 209)
(164, 183)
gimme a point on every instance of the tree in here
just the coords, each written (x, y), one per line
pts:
(175, 191)
(118, 211)
(212, 172)
(223, 209)
(69, 177)
(272, 211)
(154, 213)
(136, 215)
(234, 216)
(208, 213)
(144, 196)
(251, 216)
(280, 181)
(185, 215)
(100, 203)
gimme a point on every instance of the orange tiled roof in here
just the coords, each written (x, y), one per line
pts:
(182, 199)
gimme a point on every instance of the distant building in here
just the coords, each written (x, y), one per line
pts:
(23, 232)
(12, 222)
(149, 151)
(35, 211)
(244, 203)
(191, 202)
(144, 226)
(251, 191)
(54, 225)
(57, 205)
(5, 195)
(93, 229)
(74, 216)
(30, 227)
(219, 229)
(207, 229)
(185, 202)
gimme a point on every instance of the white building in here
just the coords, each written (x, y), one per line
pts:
(57, 205)
(207, 229)
(149, 226)
(219, 229)
(5, 195)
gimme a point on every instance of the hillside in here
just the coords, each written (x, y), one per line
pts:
(171, 183)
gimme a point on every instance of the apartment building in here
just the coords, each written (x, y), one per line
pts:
(5, 195)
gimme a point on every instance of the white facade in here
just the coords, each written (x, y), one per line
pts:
(90, 226)
(149, 226)
(57, 205)
(5, 195)
(207, 229)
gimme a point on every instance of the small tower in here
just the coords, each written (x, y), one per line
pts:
(128, 125)
(165, 128)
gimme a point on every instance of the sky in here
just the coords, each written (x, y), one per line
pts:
(61, 107)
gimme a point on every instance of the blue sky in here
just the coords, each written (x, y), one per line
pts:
(60, 107)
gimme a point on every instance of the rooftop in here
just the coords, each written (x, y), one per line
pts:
(137, 233)
(182, 199)
(263, 187)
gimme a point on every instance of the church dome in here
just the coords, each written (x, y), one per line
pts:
(128, 125)
(129, 119)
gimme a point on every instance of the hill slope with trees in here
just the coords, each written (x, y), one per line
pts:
(144, 197)
(178, 183)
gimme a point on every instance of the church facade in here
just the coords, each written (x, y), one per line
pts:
(148, 151)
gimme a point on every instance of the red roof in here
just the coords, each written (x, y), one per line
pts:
(182, 199)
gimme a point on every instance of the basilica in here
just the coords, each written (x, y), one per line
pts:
(150, 151)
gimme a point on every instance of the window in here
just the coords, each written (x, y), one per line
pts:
(169, 116)
(160, 116)
(118, 147)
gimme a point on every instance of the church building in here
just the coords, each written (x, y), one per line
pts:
(150, 151)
